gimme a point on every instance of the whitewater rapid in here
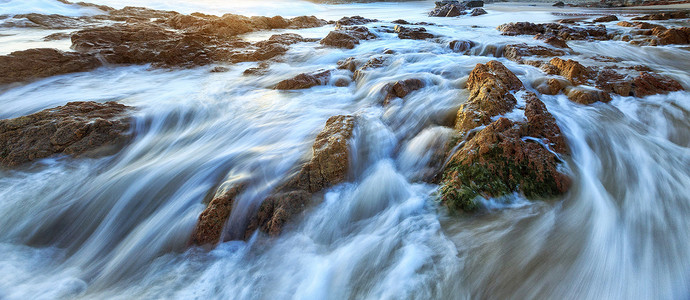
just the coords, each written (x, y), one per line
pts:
(117, 227)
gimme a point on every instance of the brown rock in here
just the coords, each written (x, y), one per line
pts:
(664, 16)
(461, 46)
(209, 228)
(77, 128)
(374, 62)
(648, 84)
(556, 42)
(52, 21)
(609, 18)
(678, 36)
(587, 96)
(572, 70)
(401, 88)
(562, 31)
(347, 37)
(36, 63)
(350, 64)
(551, 86)
(412, 33)
(516, 52)
(354, 20)
(305, 81)
(612, 82)
(490, 85)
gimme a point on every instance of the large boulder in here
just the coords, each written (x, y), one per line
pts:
(37, 63)
(77, 128)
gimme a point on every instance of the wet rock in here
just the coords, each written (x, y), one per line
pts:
(516, 52)
(559, 4)
(556, 42)
(448, 10)
(209, 227)
(506, 157)
(36, 63)
(625, 24)
(649, 84)
(477, 12)
(401, 88)
(570, 69)
(260, 69)
(664, 16)
(52, 21)
(519, 28)
(219, 69)
(490, 87)
(678, 36)
(305, 81)
(347, 37)
(328, 166)
(587, 96)
(551, 86)
(473, 3)
(56, 36)
(77, 128)
(374, 62)
(350, 64)
(354, 20)
(412, 33)
(461, 46)
(611, 81)
(561, 31)
(609, 18)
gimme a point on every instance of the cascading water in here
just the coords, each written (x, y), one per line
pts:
(118, 226)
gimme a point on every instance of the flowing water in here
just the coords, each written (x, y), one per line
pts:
(118, 226)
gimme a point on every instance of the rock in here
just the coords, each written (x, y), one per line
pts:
(461, 46)
(551, 86)
(77, 128)
(219, 69)
(516, 52)
(478, 12)
(448, 10)
(305, 81)
(401, 88)
(328, 166)
(473, 3)
(412, 33)
(664, 16)
(519, 28)
(556, 42)
(608, 18)
(350, 64)
(37, 63)
(347, 37)
(354, 20)
(209, 228)
(52, 21)
(625, 24)
(559, 4)
(678, 36)
(648, 84)
(489, 85)
(611, 81)
(562, 31)
(374, 62)
(572, 70)
(506, 157)
(260, 69)
(56, 36)
(587, 95)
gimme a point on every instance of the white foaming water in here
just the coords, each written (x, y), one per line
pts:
(118, 227)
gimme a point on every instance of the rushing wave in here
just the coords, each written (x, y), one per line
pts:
(117, 227)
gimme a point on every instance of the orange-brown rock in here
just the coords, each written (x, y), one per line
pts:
(611, 81)
(37, 63)
(411, 33)
(490, 85)
(209, 228)
(461, 46)
(609, 18)
(572, 70)
(586, 96)
(506, 157)
(551, 86)
(556, 42)
(516, 52)
(77, 128)
(305, 80)
(649, 84)
(328, 166)
(374, 62)
(561, 31)
(354, 20)
(347, 37)
(678, 36)
(401, 88)
(664, 16)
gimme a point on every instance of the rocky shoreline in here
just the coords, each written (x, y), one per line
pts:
(492, 155)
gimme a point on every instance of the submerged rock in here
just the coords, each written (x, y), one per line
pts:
(461, 46)
(77, 128)
(37, 63)
(305, 81)
(209, 228)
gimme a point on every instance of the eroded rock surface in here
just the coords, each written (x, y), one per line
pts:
(77, 128)
(347, 37)
(36, 63)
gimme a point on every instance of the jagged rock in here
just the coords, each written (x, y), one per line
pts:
(516, 52)
(556, 42)
(570, 69)
(36, 63)
(56, 36)
(587, 95)
(209, 228)
(347, 37)
(461, 46)
(328, 166)
(52, 21)
(478, 12)
(648, 84)
(412, 33)
(506, 157)
(354, 20)
(350, 64)
(551, 86)
(374, 62)
(611, 81)
(448, 10)
(401, 88)
(678, 36)
(625, 24)
(489, 85)
(77, 128)
(553, 29)
(609, 18)
(305, 80)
